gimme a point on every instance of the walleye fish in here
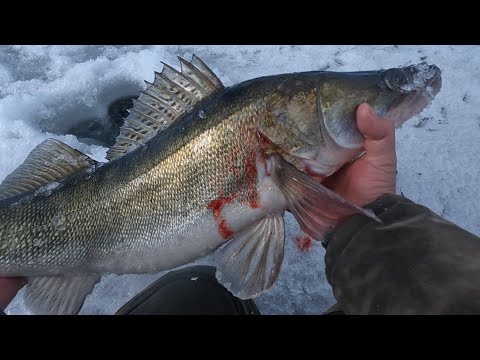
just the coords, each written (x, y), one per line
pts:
(196, 166)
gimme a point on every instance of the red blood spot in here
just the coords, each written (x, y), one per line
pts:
(224, 230)
(304, 243)
(254, 204)
(249, 182)
(234, 170)
(250, 167)
(217, 204)
(251, 170)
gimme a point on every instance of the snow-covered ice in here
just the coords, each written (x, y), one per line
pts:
(45, 90)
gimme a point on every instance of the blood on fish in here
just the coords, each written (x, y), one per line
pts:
(234, 170)
(304, 243)
(248, 182)
(224, 230)
(254, 204)
(217, 204)
(250, 167)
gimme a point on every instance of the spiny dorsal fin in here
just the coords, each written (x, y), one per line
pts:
(49, 162)
(205, 70)
(172, 93)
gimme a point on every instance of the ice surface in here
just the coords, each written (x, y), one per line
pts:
(44, 90)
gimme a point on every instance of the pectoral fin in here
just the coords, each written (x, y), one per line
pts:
(316, 208)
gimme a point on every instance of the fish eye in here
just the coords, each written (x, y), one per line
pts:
(395, 79)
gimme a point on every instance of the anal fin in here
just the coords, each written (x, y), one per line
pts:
(58, 295)
(248, 265)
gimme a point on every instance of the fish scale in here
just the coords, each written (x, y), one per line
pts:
(169, 181)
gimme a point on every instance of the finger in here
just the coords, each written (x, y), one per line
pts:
(379, 133)
(372, 126)
(8, 289)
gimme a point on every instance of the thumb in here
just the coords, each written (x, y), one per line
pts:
(379, 133)
(371, 125)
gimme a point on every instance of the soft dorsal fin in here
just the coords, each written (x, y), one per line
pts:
(172, 93)
(49, 162)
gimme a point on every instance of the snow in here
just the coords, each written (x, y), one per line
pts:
(44, 90)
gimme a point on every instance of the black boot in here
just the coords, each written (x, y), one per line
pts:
(189, 291)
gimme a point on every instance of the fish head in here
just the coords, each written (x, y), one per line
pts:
(396, 94)
(317, 110)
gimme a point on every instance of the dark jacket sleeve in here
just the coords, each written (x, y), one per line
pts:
(414, 263)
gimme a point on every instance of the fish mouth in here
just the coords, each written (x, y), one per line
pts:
(424, 83)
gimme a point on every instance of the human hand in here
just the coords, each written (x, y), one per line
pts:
(9, 286)
(373, 174)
